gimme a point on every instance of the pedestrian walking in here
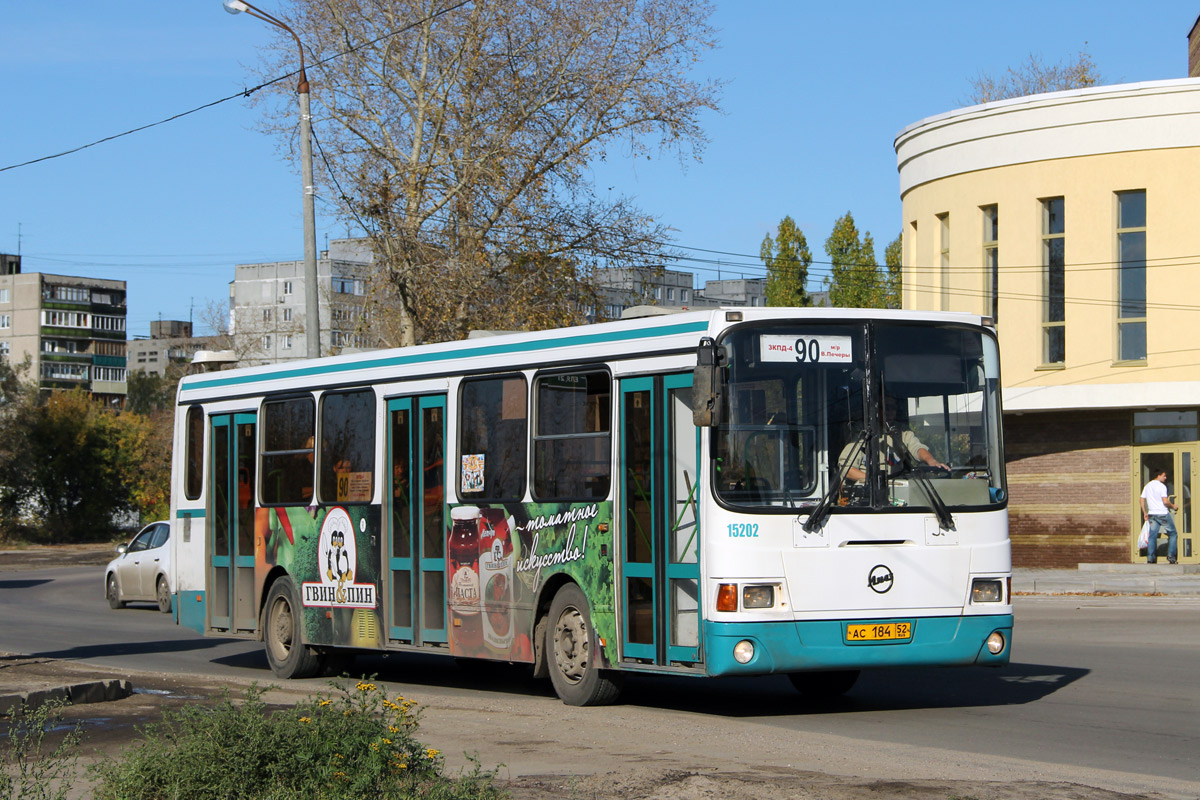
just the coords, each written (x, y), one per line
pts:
(1156, 510)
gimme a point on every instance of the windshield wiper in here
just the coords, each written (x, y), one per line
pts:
(945, 519)
(819, 514)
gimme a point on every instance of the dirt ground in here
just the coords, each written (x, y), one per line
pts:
(628, 763)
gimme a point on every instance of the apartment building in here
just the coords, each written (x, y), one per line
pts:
(71, 329)
(267, 305)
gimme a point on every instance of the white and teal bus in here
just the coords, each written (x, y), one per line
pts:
(711, 493)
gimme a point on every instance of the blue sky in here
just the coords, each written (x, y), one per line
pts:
(816, 95)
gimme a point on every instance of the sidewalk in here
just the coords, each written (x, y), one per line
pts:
(1160, 579)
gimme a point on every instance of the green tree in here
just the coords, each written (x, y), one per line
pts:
(69, 462)
(15, 393)
(893, 283)
(1034, 76)
(855, 281)
(147, 392)
(787, 259)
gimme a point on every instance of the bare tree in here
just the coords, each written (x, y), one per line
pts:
(460, 134)
(1034, 76)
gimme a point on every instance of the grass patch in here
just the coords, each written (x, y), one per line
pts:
(352, 742)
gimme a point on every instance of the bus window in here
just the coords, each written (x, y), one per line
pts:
(194, 475)
(572, 451)
(347, 456)
(492, 444)
(287, 451)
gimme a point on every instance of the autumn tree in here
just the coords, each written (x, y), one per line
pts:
(855, 281)
(893, 284)
(458, 135)
(787, 259)
(1034, 76)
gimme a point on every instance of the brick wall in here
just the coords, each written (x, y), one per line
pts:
(1069, 487)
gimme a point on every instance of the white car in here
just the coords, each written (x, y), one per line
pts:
(140, 572)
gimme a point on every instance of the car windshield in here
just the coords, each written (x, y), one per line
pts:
(885, 414)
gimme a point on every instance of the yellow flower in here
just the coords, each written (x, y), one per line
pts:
(325, 703)
(393, 729)
(341, 775)
(431, 753)
(338, 755)
(386, 741)
(374, 745)
(305, 719)
(363, 686)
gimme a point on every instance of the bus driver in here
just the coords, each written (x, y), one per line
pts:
(897, 446)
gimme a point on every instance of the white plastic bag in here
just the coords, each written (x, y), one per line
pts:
(1144, 536)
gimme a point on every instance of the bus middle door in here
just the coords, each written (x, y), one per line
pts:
(416, 548)
(660, 546)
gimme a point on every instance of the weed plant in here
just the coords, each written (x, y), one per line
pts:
(352, 742)
(30, 767)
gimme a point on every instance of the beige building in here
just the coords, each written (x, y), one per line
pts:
(1070, 218)
(71, 329)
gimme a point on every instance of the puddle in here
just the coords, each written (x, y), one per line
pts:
(167, 693)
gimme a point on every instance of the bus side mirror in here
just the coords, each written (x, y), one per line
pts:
(706, 383)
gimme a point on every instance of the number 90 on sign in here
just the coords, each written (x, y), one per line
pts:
(809, 350)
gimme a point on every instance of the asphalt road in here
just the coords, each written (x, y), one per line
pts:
(1102, 690)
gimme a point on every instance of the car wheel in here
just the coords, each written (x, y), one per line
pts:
(113, 592)
(164, 595)
(288, 655)
(824, 685)
(571, 651)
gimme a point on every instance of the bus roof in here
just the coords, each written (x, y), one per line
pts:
(607, 341)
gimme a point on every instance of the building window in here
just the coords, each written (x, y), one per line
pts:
(4, 295)
(683, 296)
(1131, 278)
(4, 349)
(347, 286)
(1161, 427)
(266, 315)
(1054, 251)
(287, 287)
(5, 321)
(991, 261)
(266, 342)
(287, 315)
(285, 341)
(944, 257)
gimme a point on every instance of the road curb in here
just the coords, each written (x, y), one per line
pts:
(70, 694)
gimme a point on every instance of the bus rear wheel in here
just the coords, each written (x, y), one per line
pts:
(571, 650)
(283, 638)
(824, 685)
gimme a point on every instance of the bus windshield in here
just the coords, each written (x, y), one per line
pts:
(888, 415)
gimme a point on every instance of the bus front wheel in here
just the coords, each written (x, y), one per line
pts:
(288, 655)
(824, 685)
(571, 653)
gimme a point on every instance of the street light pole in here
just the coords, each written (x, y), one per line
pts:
(312, 306)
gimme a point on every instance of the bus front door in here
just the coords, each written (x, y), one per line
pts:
(415, 549)
(232, 604)
(660, 536)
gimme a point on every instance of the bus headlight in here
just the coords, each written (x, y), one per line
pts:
(996, 643)
(987, 590)
(758, 596)
(743, 651)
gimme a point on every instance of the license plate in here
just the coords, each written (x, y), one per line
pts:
(879, 632)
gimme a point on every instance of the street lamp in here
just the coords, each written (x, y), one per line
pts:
(312, 308)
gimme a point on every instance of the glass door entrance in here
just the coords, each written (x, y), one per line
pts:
(1181, 461)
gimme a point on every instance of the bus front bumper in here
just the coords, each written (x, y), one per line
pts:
(781, 647)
